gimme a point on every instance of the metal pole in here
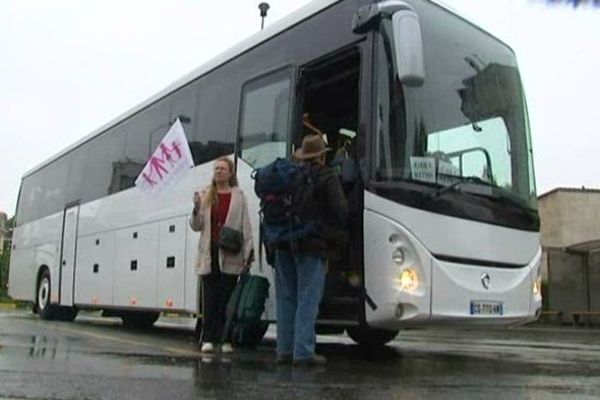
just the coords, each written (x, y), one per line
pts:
(263, 7)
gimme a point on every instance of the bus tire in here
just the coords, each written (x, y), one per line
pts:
(371, 337)
(139, 319)
(66, 314)
(43, 306)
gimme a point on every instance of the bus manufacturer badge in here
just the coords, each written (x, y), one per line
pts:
(485, 280)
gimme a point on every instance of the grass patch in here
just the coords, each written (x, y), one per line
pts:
(4, 299)
(23, 304)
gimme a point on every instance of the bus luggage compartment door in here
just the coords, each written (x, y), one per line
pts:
(67, 260)
(171, 264)
(136, 266)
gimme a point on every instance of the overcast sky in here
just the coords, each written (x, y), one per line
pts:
(68, 67)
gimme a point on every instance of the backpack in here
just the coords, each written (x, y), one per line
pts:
(245, 308)
(287, 201)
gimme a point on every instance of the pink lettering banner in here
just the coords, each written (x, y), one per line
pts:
(168, 163)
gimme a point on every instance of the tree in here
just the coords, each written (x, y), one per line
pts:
(5, 257)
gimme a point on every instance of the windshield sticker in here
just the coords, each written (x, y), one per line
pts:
(422, 169)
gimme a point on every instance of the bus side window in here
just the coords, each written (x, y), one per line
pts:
(265, 115)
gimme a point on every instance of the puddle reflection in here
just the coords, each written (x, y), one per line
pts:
(42, 347)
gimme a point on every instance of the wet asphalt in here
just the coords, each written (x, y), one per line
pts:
(96, 358)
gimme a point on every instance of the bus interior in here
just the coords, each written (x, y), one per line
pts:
(328, 95)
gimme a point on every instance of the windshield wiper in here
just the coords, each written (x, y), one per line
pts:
(497, 194)
(461, 179)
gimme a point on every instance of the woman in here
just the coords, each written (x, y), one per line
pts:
(221, 204)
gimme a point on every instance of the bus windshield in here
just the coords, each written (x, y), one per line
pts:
(467, 121)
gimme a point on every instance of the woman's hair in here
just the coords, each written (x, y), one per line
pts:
(211, 195)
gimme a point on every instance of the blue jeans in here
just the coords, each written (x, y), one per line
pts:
(299, 283)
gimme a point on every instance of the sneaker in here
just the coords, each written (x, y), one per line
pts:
(313, 361)
(283, 359)
(207, 348)
(226, 348)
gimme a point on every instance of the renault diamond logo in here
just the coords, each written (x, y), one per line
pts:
(485, 280)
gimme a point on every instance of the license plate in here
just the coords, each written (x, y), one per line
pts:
(486, 308)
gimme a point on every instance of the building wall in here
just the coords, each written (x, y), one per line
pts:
(594, 280)
(569, 217)
(567, 283)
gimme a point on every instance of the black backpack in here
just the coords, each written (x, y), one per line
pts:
(287, 201)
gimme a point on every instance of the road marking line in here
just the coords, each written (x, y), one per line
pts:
(167, 349)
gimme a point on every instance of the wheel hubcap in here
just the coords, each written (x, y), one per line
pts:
(44, 293)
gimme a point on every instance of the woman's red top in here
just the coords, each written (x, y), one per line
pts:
(218, 215)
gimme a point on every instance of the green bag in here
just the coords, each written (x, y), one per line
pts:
(244, 310)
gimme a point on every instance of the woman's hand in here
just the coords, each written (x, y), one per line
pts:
(247, 266)
(198, 198)
(248, 262)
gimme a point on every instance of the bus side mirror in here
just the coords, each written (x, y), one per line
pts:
(408, 48)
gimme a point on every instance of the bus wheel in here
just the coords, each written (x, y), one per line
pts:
(66, 314)
(139, 319)
(371, 337)
(44, 309)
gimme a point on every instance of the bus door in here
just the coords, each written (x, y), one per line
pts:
(329, 104)
(68, 250)
(263, 135)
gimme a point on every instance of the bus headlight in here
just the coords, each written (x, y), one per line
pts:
(409, 280)
(537, 286)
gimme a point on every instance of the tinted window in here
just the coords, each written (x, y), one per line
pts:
(137, 149)
(214, 133)
(44, 192)
(112, 161)
(31, 198)
(55, 186)
(265, 119)
(183, 106)
(154, 122)
(104, 154)
(141, 134)
(76, 174)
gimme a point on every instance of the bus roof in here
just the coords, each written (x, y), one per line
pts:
(270, 31)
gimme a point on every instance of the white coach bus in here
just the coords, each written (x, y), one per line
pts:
(426, 107)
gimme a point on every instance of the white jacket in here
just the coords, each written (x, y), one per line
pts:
(237, 218)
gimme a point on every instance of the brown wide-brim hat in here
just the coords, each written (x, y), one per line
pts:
(312, 146)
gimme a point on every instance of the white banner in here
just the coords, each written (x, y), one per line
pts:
(168, 163)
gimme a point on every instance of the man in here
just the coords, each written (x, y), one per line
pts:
(300, 267)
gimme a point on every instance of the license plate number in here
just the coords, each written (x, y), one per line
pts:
(486, 308)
